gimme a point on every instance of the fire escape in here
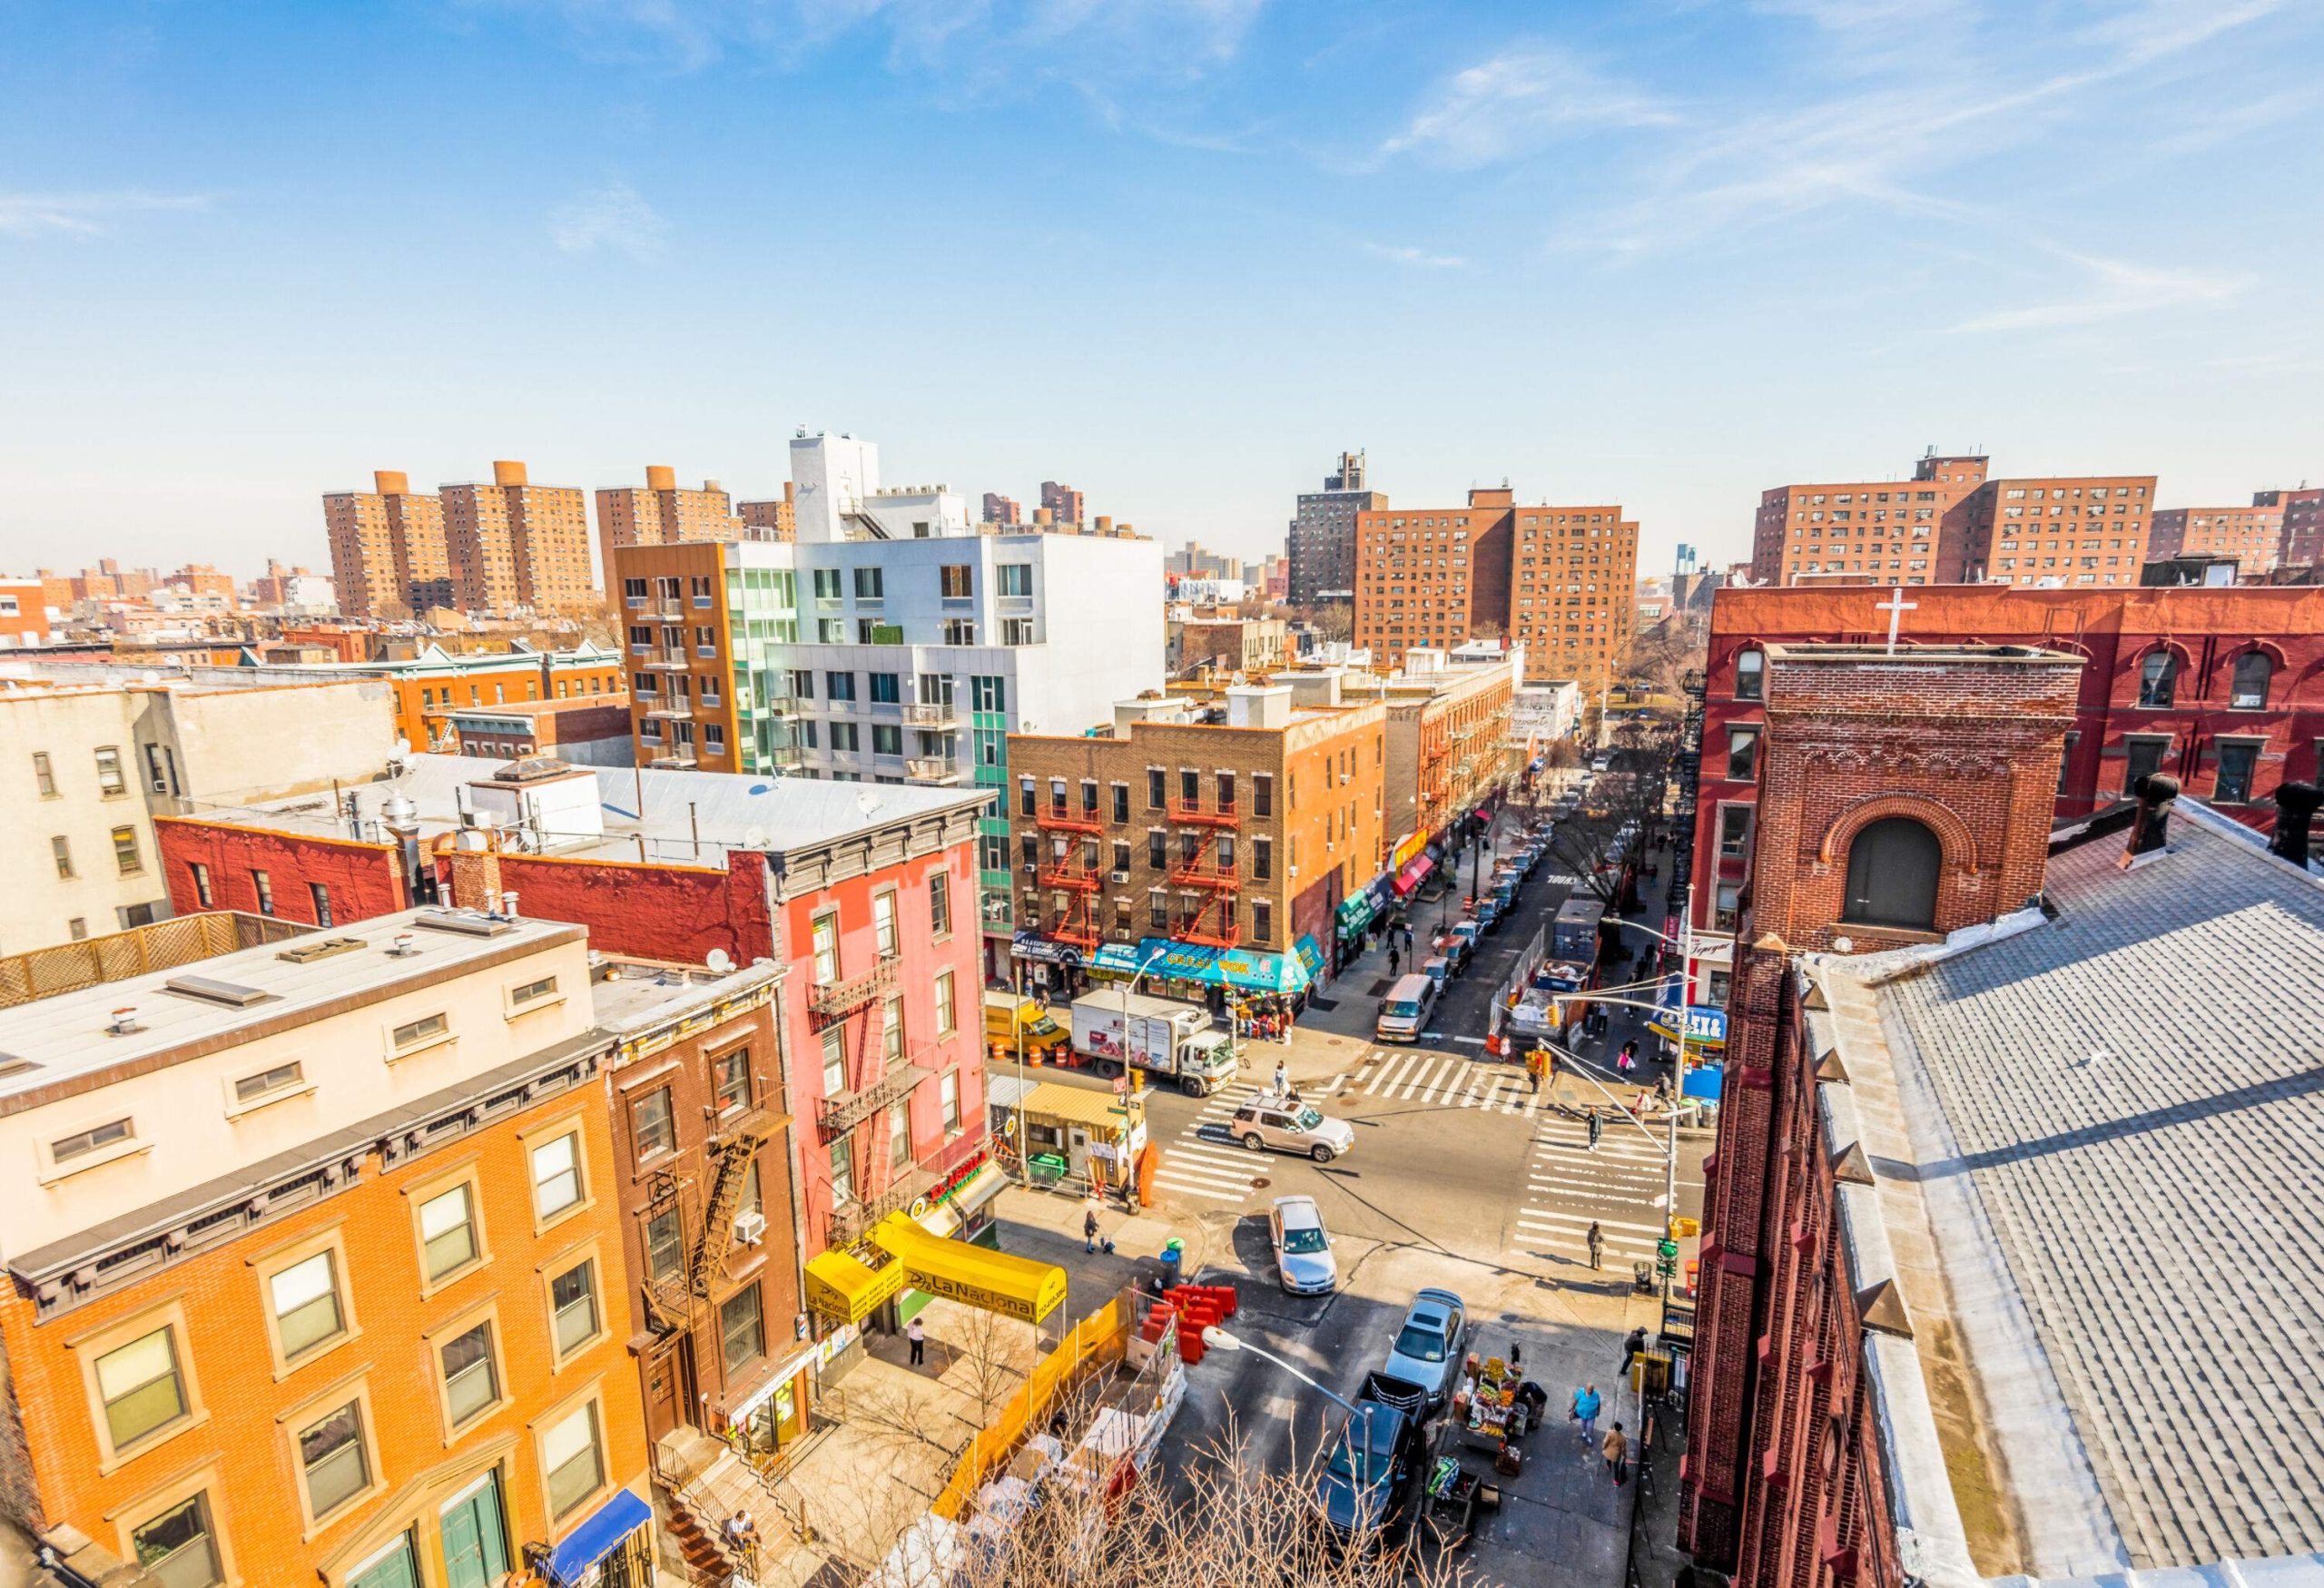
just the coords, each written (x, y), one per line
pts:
(1688, 768)
(875, 1083)
(1068, 869)
(1205, 869)
(1435, 775)
(669, 1297)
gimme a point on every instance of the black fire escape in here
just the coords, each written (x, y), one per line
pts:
(1689, 771)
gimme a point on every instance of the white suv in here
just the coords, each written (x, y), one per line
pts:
(1287, 1125)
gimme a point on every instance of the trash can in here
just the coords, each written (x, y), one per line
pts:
(1174, 1259)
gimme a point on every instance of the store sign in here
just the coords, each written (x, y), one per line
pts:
(1413, 844)
(950, 1186)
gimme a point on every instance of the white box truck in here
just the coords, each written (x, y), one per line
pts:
(1113, 1031)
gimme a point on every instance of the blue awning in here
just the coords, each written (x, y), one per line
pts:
(599, 1537)
(1245, 970)
(1310, 955)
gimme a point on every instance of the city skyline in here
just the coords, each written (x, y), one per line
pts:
(1727, 249)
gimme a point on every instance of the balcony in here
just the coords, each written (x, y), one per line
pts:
(933, 769)
(933, 714)
(670, 710)
(1082, 934)
(678, 760)
(1205, 872)
(831, 1001)
(786, 758)
(1209, 933)
(1223, 814)
(1069, 873)
(836, 1116)
(853, 1220)
(667, 660)
(1066, 819)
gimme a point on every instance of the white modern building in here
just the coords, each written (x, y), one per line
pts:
(837, 495)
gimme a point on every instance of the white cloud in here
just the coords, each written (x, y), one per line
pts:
(83, 215)
(1414, 257)
(2117, 288)
(611, 217)
(1515, 103)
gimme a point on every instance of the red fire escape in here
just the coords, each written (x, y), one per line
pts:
(1068, 869)
(1204, 870)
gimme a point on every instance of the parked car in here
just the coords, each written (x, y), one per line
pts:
(1405, 1010)
(1438, 970)
(1429, 1345)
(1369, 1482)
(1461, 943)
(1302, 1248)
(1268, 1122)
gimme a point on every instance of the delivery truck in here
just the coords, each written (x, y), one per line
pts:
(1114, 1031)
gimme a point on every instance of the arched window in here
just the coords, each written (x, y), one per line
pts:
(2249, 690)
(1750, 668)
(2159, 679)
(1892, 874)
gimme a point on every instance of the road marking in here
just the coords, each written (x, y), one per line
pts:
(1474, 1042)
(1219, 1153)
(1530, 1216)
(1386, 1066)
(1182, 1189)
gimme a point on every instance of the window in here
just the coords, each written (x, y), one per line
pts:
(319, 897)
(574, 1468)
(834, 1060)
(336, 1465)
(891, 1030)
(827, 585)
(883, 923)
(2142, 757)
(844, 737)
(2159, 679)
(1262, 859)
(887, 688)
(126, 855)
(43, 774)
(2237, 759)
(1734, 831)
(871, 585)
(250, 1088)
(447, 1235)
(940, 905)
(141, 1388)
(556, 1175)
(948, 1101)
(956, 581)
(2065, 763)
(2248, 692)
(944, 1010)
(177, 1549)
(1261, 921)
(1016, 579)
(987, 691)
(824, 937)
(842, 1171)
(652, 1129)
(109, 779)
(533, 991)
(307, 1313)
(573, 1304)
(1892, 874)
(1158, 911)
(61, 849)
(471, 1382)
(839, 686)
(82, 1143)
(1155, 784)
(1750, 674)
(730, 1077)
(1262, 794)
(742, 1328)
(665, 1248)
(1743, 753)
(202, 893)
(427, 1029)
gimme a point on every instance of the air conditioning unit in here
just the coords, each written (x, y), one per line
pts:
(750, 1228)
(1122, 876)
(161, 786)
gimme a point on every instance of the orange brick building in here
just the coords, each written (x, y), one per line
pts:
(2252, 536)
(315, 1264)
(660, 512)
(1558, 580)
(517, 544)
(388, 553)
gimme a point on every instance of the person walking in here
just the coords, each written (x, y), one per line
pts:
(1585, 1409)
(1596, 1238)
(918, 1339)
(1628, 1061)
(1089, 1229)
(1395, 958)
(1617, 1454)
(1632, 1347)
(1282, 1079)
(1597, 1129)
(1408, 936)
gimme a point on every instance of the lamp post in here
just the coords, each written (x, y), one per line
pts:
(1218, 1339)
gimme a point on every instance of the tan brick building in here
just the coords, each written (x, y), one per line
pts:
(1558, 580)
(1225, 645)
(777, 520)
(662, 511)
(517, 544)
(1234, 824)
(387, 552)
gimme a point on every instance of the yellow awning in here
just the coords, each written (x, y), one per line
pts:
(844, 1288)
(1079, 1104)
(996, 1281)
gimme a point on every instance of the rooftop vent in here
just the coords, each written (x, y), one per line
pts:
(307, 950)
(532, 769)
(2295, 805)
(210, 990)
(11, 1065)
(467, 923)
(2151, 828)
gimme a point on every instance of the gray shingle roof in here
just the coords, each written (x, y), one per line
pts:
(2136, 1092)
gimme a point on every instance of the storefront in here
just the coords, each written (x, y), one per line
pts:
(611, 1548)
(775, 1413)
(1412, 874)
(1200, 973)
(1043, 964)
(1358, 911)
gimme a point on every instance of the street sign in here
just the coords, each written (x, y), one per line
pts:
(1121, 1085)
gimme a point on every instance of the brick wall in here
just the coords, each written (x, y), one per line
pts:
(655, 911)
(363, 880)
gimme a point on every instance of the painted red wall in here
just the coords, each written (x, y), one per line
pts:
(655, 911)
(363, 879)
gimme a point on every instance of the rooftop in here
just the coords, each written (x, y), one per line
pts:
(685, 818)
(73, 1034)
(2104, 1128)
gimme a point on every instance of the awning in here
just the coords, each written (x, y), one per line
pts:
(1410, 844)
(981, 1187)
(1032, 945)
(1416, 872)
(1310, 955)
(599, 1537)
(1356, 913)
(844, 1288)
(1246, 970)
(998, 1282)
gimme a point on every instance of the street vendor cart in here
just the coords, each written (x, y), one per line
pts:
(1494, 1407)
(1452, 1499)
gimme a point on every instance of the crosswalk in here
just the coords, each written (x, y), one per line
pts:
(1619, 1187)
(1449, 1080)
(1205, 1162)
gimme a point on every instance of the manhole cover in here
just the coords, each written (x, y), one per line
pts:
(1261, 1184)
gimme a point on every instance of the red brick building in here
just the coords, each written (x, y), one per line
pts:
(2207, 715)
(2251, 534)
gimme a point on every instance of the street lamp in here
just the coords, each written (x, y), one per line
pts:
(1218, 1339)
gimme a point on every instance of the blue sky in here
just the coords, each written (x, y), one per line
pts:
(1176, 252)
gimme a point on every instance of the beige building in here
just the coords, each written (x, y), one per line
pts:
(517, 544)
(88, 765)
(388, 553)
(1449, 733)
(662, 511)
(1198, 645)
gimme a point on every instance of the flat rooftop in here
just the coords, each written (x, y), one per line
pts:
(681, 817)
(68, 1036)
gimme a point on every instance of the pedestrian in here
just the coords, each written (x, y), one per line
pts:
(1633, 1347)
(1408, 937)
(1282, 1079)
(1597, 1129)
(1089, 1229)
(918, 1339)
(1596, 1238)
(1584, 1410)
(1628, 1061)
(1617, 1455)
(1395, 958)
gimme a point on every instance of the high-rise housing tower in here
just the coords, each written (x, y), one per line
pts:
(1063, 503)
(1322, 535)
(517, 544)
(662, 512)
(388, 553)
(1000, 510)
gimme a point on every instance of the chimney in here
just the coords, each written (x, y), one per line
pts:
(476, 880)
(2295, 809)
(505, 472)
(390, 483)
(658, 477)
(2151, 826)
(1255, 707)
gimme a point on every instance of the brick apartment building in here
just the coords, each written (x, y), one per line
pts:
(2222, 688)
(1319, 545)
(1904, 1369)
(1062, 503)
(777, 520)
(2253, 535)
(1225, 645)
(513, 543)
(662, 511)
(1000, 510)
(1952, 523)
(314, 1265)
(1229, 833)
(1451, 746)
(584, 732)
(389, 556)
(1558, 581)
(2303, 539)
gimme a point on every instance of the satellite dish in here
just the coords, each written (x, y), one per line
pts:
(720, 960)
(867, 801)
(754, 837)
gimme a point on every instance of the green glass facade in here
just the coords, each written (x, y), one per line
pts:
(762, 613)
